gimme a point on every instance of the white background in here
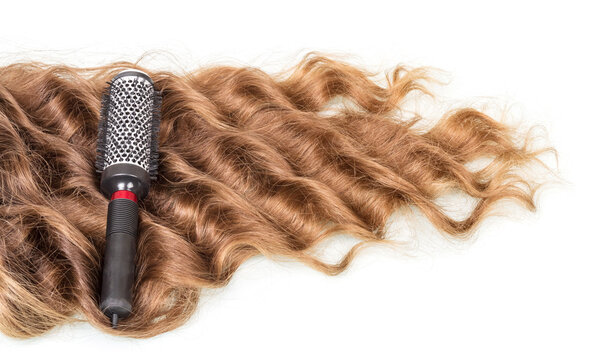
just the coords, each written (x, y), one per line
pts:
(526, 288)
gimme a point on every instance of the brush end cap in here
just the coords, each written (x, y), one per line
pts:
(131, 72)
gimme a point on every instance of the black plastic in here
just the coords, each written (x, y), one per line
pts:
(125, 176)
(119, 268)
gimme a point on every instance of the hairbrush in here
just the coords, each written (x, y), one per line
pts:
(127, 157)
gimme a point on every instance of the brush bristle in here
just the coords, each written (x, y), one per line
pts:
(101, 143)
(153, 167)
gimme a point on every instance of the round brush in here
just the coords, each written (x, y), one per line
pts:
(127, 157)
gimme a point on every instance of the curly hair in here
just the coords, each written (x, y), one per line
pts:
(250, 163)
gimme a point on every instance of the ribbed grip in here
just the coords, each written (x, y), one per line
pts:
(119, 255)
(122, 217)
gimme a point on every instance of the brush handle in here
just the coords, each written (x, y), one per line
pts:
(119, 255)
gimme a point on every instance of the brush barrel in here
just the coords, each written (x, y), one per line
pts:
(125, 184)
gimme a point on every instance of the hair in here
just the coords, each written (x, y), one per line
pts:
(250, 163)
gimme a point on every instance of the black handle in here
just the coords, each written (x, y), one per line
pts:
(118, 270)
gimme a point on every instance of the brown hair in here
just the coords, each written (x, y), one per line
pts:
(250, 163)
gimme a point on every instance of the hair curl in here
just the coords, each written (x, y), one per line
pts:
(250, 163)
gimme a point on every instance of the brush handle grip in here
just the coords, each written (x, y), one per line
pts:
(118, 270)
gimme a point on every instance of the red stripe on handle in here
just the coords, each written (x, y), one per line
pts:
(124, 194)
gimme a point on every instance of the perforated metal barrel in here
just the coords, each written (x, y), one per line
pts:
(128, 113)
